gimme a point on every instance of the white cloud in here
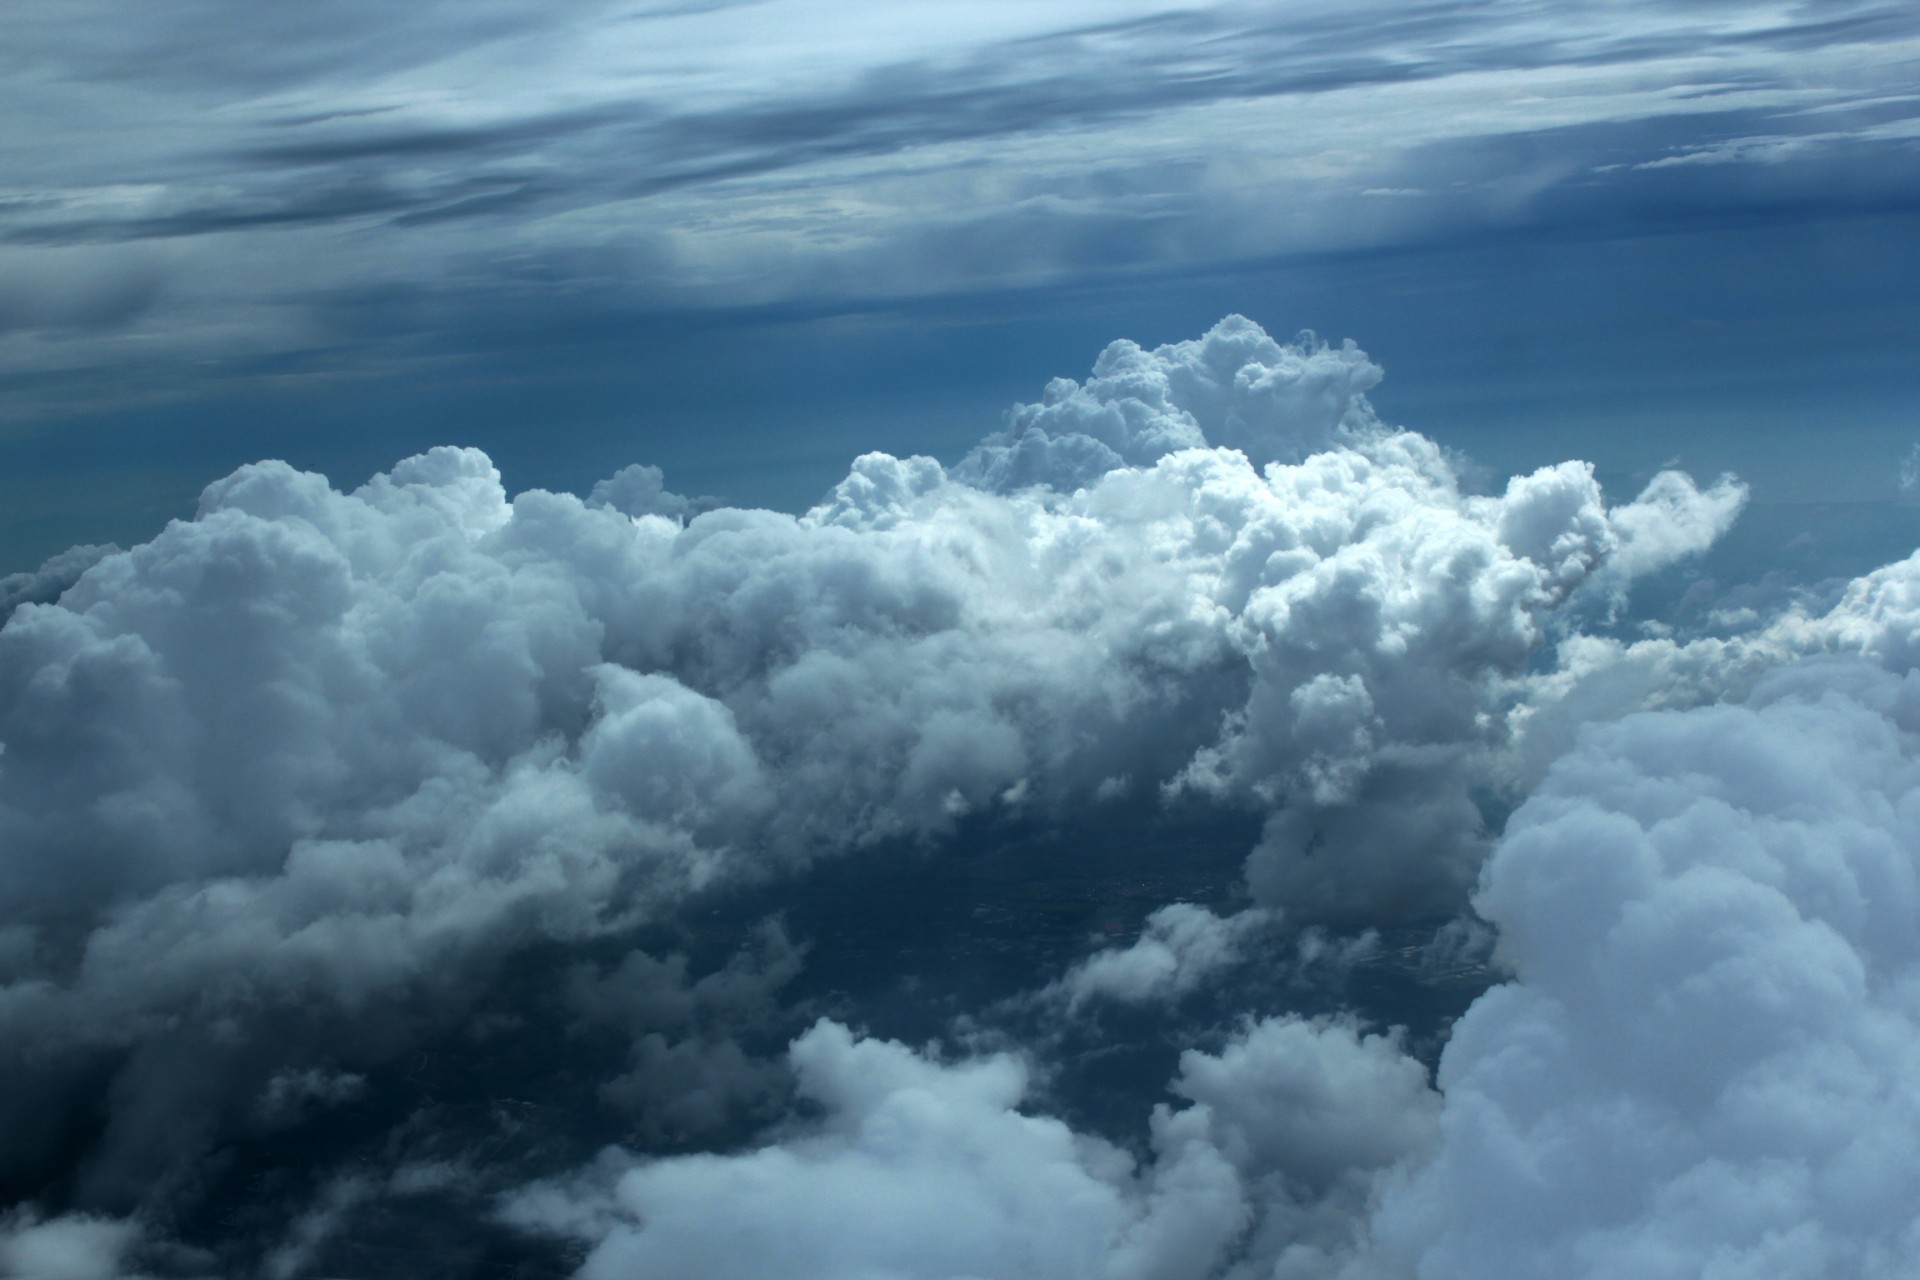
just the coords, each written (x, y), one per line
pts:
(1672, 518)
(315, 758)
(1235, 387)
(1181, 948)
(1707, 1065)
(919, 1168)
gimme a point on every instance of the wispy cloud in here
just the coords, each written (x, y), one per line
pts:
(755, 153)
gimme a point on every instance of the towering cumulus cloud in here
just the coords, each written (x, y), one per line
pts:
(286, 789)
(1235, 387)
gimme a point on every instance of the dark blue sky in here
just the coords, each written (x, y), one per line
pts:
(748, 241)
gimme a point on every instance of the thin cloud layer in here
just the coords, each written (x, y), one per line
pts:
(501, 160)
(77, 1247)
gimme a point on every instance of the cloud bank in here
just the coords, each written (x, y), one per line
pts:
(1702, 1065)
(319, 783)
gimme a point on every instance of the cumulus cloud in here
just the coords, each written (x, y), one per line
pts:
(1707, 1063)
(1672, 518)
(286, 788)
(918, 1169)
(46, 584)
(1704, 1064)
(1600, 678)
(641, 490)
(1182, 947)
(923, 1168)
(1235, 387)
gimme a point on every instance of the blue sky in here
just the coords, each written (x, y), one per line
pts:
(747, 241)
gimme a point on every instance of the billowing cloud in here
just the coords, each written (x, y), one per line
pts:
(1236, 387)
(289, 789)
(1703, 1064)
(51, 580)
(1707, 1063)
(921, 1168)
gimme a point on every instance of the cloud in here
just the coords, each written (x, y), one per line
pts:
(695, 166)
(1706, 1063)
(1599, 678)
(922, 1168)
(1703, 1063)
(640, 490)
(289, 788)
(51, 580)
(689, 1077)
(1237, 388)
(1182, 947)
(917, 1169)
(77, 1247)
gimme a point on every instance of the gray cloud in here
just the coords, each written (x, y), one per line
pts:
(689, 1077)
(1703, 1060)
(1062, 80)
(51, 580)
(736, 173)
(329, 811)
